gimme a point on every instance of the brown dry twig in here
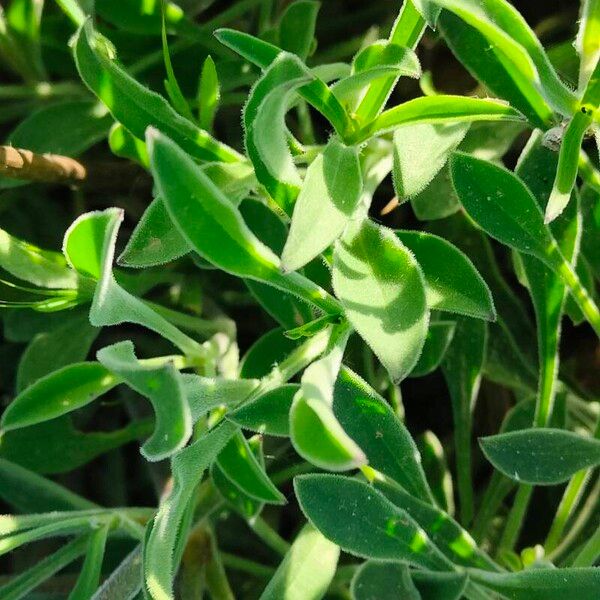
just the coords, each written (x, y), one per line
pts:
(48, 168)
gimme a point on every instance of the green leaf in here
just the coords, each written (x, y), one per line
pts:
(89, 247)
(462, 368)
(163, 387)
(29, 492)
(248, 507)
(381, 288)
(215, 228)
(473, 50)
(67, 128)
(449, 537)
(209, 94)
(155, 240)
(436, 109)
(57, 447)
(541, 456)
(439, 336)
(451, 281)
(440, 586)
(515, 46)
(329, 197)
(265, 129)
(297, 27)
(49, 351)
(89, 577)
(269, 413)
(240, 466)
(188, 467)
(501, 204)
(586, 42)
(264, 54)
(306, 570)
(57, 394)
(135, 106)
(420, 152)
(384, 581)
(269, 227)
(126, 145)
(542, 584)
(268, 350)
(315, 432)
(44, 268)
(368, 419)
(20, 586)
(363, 522)
(568, 164)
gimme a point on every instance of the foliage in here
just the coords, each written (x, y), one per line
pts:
(304, 290)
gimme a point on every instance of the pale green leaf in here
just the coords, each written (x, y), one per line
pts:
(306, 570)
(314, 430)
(162, 385)
(381, 288)
(329, 196)
(420, 152)
(188, 467)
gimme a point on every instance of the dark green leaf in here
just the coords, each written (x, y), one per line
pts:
(363, 522)
(451, 281)
(541, 456)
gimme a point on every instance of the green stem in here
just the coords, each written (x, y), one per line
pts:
(295, 283)
(568, 504)
(580, 294)
(515, 519)
(203, 327)
(269, 536)
(588, 172)
(495, 494)
(247, 566)
(407, 31)
(462, 443)
(42, 91)
(585, 514)
(589, 554)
